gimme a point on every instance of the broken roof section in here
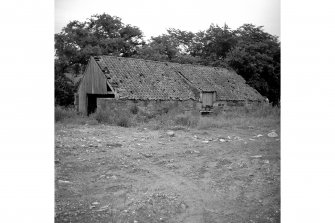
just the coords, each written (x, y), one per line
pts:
(152, 80)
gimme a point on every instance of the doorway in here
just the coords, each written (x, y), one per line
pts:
(92, 101)
(207, 99)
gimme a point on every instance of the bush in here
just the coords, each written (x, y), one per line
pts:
(101, 116)
(123, 121)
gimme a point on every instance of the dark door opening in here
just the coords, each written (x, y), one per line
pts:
(92, 101)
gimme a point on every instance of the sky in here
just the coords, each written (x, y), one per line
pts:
(154, 17)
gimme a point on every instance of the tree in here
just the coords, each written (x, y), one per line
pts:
(99, 35)
(256, 57)
(217, 41)
(174, 47)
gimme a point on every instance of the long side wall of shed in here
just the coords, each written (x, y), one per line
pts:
(153, 106)
(93, 82)
(150, 106)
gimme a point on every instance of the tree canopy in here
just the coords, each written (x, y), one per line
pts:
(249, 50)
(99, 35)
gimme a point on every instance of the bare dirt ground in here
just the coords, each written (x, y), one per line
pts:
(114, 174)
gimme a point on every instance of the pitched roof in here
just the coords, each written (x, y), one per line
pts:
(146, 79)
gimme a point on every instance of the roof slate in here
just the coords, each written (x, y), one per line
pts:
(152, 80)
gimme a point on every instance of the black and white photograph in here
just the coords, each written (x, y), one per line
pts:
(167, 111)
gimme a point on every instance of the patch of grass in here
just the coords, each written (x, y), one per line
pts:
(134, 109)
(264, 115)
(188, 119)
(62, 113)
(123, 121)
(101, 116)
(217, 111)
(143, 117)
(69, 115)
(116, 117)
(209, 122)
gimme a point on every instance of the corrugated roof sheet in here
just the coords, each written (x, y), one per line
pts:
(145, 79)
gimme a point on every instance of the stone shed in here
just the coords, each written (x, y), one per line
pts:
(111, 81)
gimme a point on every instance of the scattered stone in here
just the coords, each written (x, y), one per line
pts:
(205, 141)
(95, 203)
(266, 161)
(146, 155)
(222, 140)
(103, 208)
(252, 139)
(64, 181)
(273, 134)
(257, 156)
(114, 177)
(183, 206)
(257, 136)
(170, 133)
(237, 138)
(114, 145)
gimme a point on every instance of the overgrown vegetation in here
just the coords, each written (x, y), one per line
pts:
(251, 52)
(70, 116)
(172, 118)
(116, 117)
(64, 113)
